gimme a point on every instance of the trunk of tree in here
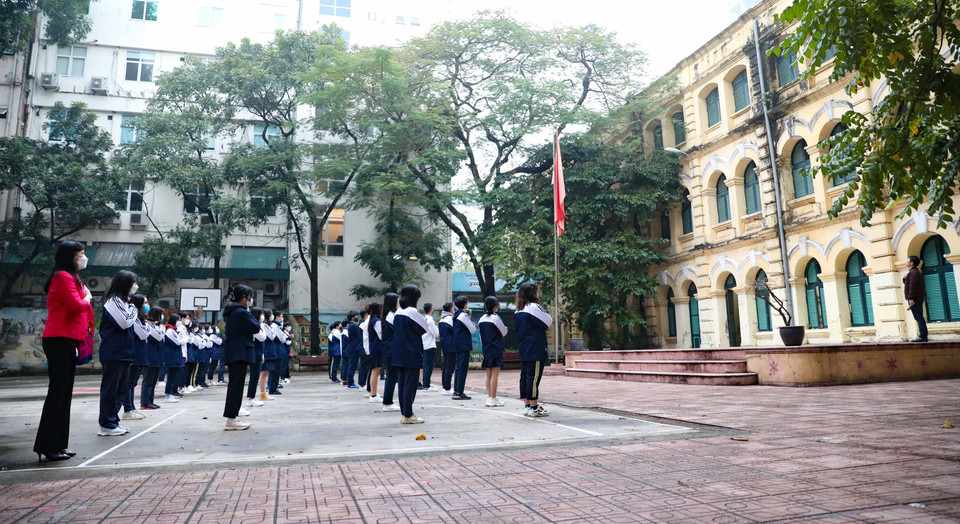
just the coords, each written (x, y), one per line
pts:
(216, 282)
(314, 283)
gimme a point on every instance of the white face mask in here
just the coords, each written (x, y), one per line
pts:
(287, 329)
(261, 318)
(209, 331)
(186, 322)
(133, 290)
(82, 262)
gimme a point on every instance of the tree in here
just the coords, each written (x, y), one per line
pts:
(66, 184)
(614, 190)
(906, 149)
(159, 262)
(67, 22)
(498, 87)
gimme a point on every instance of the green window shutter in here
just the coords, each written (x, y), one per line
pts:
(787, 68)
(800, 166)
(855, 293)
(953, 315)
(671, 315)
(713, 108)
(679, 128)
(936, 307)
(723, 200)
(686, 214)
(658, 138)
(932, 253)
(869, 300)
(812, 319)
(751, 188)
(741, 91)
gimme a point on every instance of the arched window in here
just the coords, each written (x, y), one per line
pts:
(713, 108)
(839, 129)
(665, 225)
(686, 213)
(733, 311)
(741, 91)
(816, 307)
(723, 200)
(858, 291)
(671, 315)
(764, 322)
(694, 317)
(800, 165)
(751, 188)
(787, 68)
(942, 302)
(658, 138)
(679, 128)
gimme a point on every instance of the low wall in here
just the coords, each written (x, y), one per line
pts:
(854, 363)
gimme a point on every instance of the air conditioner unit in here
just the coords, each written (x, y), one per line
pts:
(97, 284)
(100, 85)
(138, 221)
(115, 153)
(204, 220)
(274, 288)
(50, 81)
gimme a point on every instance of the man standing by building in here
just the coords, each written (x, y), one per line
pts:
(916, 292)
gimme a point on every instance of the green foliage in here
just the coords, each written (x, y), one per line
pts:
(613, 192)
(905, 150)
(66, 22)
(158, 263)
(66, 184)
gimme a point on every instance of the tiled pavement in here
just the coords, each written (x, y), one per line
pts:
(870, 453)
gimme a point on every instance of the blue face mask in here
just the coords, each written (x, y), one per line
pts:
(146, 308)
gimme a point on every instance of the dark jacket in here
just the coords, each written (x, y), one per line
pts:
(532, 323)
(354, 340)
(913, 286)
(116, 331)
(240, 327)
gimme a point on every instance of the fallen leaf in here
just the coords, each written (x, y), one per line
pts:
(682, 483)
(946, 425)
(204, 418)
(740, 439)
(421, 437)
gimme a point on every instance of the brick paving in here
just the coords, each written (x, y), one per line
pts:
(868, 453)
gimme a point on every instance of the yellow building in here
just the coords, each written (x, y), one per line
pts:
(844, 279)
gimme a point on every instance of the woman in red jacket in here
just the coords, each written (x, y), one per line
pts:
(69, 312)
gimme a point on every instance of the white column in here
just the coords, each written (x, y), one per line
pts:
(684, 331)
(836, 303)
(721, 338)
(746, 300)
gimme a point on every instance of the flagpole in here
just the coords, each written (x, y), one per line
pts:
(556, 259)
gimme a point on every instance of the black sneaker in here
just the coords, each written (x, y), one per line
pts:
(460, 396)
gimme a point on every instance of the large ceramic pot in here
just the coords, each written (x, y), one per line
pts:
(792, 335)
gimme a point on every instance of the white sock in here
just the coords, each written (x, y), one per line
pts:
(231, 421)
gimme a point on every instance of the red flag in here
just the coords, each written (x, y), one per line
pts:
(559, 189)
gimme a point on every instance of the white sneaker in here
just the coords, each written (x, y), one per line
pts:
(431, 388)
(191, 389)
(243, 413)
(286, 381)
(498, 403)
(236, 425)
(171, 399)
(490, 403)
(124, 428)
(376, 399)
(111, 432)
(254, 403)
(391, 407)
(411, 420)
(133, 415)
(447, 392)
(161, 384)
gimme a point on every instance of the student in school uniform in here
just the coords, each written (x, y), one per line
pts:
(445, 328)
(116, 350)
(492, 330)
(463, 330)
(172, 357)
(271, 357)
(375, 358)
(204, 334)
(333, 351)
(191, 358)
(407, 348)
(363, 368)
(355, 340)
(390, 303)
(285, 346)
(183, 331)
(344, 348)
(141, 333)
(280, 352)
(216, 355)
(532, 322)
(429, 347)
(153, 359)
(288, 347)
(259, 347)
(238, 352)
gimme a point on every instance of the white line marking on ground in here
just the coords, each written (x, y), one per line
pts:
(131, 439)
(518, 415)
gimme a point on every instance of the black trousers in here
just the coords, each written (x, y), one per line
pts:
(254, 379)
(214, 366)
(530, 375)
(171, 385)
(334, 367)
(429, 354)
(917, 311)
(390, 384)
(446, 373)
(460, 372)
(53, 433)
(407, 388)
(285, 364)
(113, 385)
(363, 369)
(150, 374)
(128, 396)
(237, 373)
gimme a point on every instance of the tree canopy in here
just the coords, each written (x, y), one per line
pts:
(906, 149)
(66, 22)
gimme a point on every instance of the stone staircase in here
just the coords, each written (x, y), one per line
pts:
(705, 367)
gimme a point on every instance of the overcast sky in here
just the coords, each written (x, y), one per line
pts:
(666, 30)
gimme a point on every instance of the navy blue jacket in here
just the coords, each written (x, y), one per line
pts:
(116, 331)
(354, 339)
(462, 339)
(446, 335)
(407, 344)
(532, 323)
(491, 336)
(240, 327)
(334, 348)
(386, 335)
(171, 355)
(153, 346)
(376, 346)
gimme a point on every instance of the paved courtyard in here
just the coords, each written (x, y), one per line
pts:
(609, 452)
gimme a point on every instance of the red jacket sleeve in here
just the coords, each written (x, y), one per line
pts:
(63, 290)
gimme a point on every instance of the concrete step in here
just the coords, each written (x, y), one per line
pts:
(670, 366)
(701, 379)
(660, 354)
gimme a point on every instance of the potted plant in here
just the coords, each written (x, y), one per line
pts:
(790, 335)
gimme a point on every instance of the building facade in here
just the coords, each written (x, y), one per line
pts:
(113, 71)
(844, 279)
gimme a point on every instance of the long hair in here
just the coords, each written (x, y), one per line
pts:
(375, 312)
(138, 301)
(389, 304)
(120, 285)
(155, 314)
(239, 292)
(490, 304)
(174, 318)
(63, 261)
(256, 312)
(527, 294)
(409, 296)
